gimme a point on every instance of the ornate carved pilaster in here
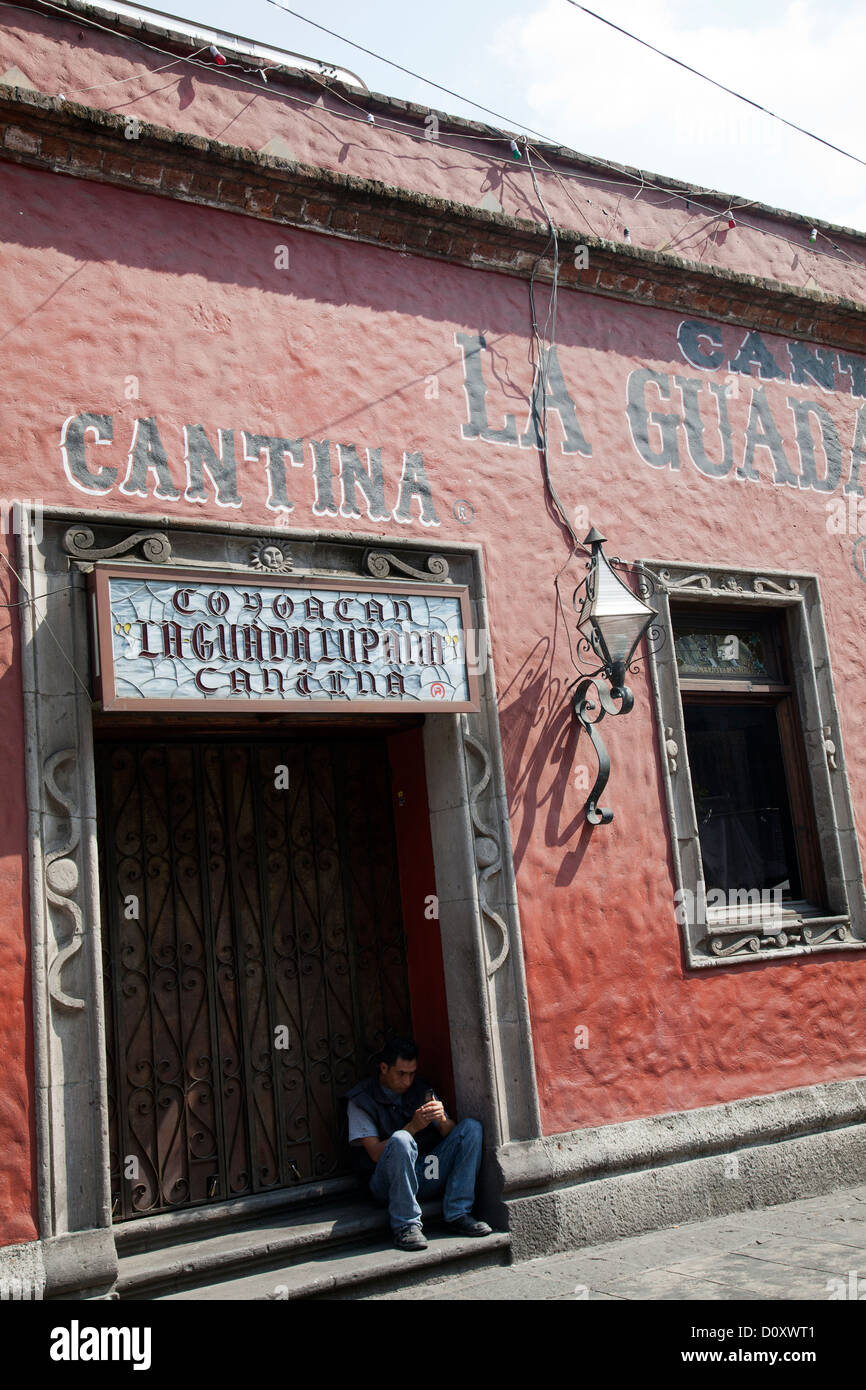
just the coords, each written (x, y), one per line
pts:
(68, 1022)
(62, 877)
(488, 852)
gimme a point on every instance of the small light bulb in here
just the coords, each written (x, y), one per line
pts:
(215, 53)
(515, 150)
(371, 119)
(626, 234)
(731, 222)
(813, 235)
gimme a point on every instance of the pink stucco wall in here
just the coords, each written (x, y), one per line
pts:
(132, 306)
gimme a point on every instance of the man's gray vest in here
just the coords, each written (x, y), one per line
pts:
(389, 1115)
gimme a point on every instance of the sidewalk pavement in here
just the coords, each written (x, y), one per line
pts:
(814, 1249)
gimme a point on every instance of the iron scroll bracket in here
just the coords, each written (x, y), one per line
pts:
(607, 698)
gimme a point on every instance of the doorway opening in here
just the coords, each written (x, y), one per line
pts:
(255, 951)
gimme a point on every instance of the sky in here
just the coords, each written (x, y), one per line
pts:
(549, 66)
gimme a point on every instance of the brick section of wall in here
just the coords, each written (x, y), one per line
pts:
(66, 138)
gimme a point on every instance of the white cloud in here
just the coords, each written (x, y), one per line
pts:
(605, 95)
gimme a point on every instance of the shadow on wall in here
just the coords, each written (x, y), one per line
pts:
(539, 747)
(543, 747)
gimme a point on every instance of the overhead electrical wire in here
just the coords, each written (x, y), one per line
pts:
(399, 128)
(721, 86)
(117, 81)
(625, 177)
(693, 202)
(408, 71)
(548, 139)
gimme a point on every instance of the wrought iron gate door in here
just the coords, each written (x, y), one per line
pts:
(253, 957)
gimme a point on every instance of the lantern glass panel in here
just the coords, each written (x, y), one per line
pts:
(619, 617)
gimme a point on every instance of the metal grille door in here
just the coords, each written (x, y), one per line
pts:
(253, 956)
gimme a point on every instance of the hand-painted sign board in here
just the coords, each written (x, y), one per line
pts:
(179, 639)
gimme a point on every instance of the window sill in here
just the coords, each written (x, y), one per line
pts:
(798, 930)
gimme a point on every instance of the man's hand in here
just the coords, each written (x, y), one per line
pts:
(425, 1114)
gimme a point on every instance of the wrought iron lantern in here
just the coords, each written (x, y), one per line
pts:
(612, 620)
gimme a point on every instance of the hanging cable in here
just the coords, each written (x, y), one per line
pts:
(722, 88)
(399, 128)
(136, 77)
(22, 603)
(691, 201)
(50, 629)
(639, 179)
(408, 71)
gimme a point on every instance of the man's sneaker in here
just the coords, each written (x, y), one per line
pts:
(410, 1238)
(468, 1226)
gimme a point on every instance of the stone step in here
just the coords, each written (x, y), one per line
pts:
(217, 1253)
(195, 1223)
(301, 1240)
(354, 1271)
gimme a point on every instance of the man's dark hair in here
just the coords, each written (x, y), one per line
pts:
(395, 1047)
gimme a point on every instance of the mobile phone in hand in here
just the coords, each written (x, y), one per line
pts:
(428, 1095)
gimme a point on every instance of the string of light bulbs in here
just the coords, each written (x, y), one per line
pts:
(624, 175)
(814, 233)
(643, 182)
(692, 201)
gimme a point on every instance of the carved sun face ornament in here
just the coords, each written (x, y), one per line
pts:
(267, 555)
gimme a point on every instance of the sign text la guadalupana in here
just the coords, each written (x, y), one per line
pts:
(169, 640)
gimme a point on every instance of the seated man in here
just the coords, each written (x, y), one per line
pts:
(410, 1148)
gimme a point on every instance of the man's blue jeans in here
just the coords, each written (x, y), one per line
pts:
(399, 1177)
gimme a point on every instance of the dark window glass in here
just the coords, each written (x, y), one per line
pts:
(741, 797)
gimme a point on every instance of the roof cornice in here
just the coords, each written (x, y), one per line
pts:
(398, 109)
(63, 137)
